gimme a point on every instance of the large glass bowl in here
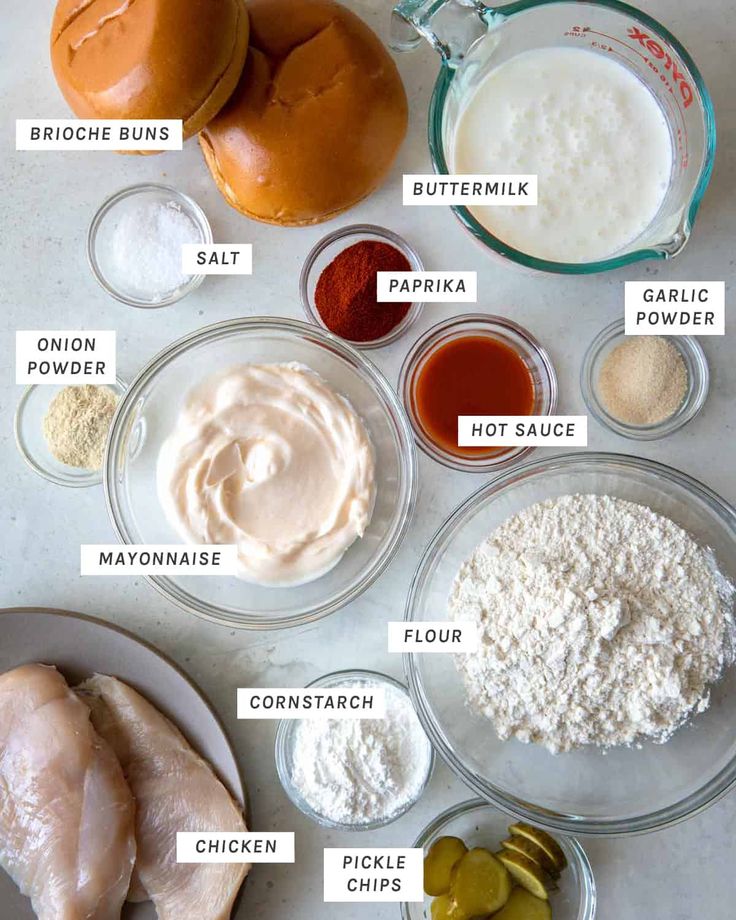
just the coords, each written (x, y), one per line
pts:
(626, 790)
(481, 825)
(147, 414)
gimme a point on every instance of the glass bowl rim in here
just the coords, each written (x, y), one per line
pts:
(284, 736)
(88, 478)
(688, 806)
(574, 851)
(194, 210)
(407, 460)
(360, 230)
(486, 238)
(694, 402)
(427, 341)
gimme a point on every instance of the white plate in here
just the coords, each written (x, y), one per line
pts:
(80, 646)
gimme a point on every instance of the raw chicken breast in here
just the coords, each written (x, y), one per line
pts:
(66, 813)
(174, 790)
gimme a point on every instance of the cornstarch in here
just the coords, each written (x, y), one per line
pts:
(603, 623)
(358, 771)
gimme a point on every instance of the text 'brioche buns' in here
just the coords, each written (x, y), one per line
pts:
(149, 58)
(317, 117)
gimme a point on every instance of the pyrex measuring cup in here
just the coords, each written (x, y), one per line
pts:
(473, 39)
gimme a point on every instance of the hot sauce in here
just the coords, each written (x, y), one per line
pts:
(471, 375)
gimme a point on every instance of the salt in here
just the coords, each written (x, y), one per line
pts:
(146, 249)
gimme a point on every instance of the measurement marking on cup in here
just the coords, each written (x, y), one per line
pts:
(586, 30)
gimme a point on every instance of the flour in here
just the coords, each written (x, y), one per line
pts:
(603, 623)
(357, 771)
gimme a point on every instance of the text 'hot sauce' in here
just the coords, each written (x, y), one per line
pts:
(471, 375)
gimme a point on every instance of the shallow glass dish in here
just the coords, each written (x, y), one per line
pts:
(31, 443)
(99, 241)
(481, 825)
(148, 414)
(286, 737)
(698, 381)
(627, 790)
(329, 248)
(536, 359)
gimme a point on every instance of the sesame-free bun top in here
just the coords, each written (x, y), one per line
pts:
(149, 58)
(316, 119)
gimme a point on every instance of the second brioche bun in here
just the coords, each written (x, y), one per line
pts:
(316, 119)
(149, 58)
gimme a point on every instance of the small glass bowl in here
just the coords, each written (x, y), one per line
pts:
(481, 825)
(329, 248)
(535, 357)
(98, 241)
(29, 416)
(698, 380)
(286, 737)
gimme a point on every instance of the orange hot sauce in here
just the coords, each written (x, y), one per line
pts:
(471, 375)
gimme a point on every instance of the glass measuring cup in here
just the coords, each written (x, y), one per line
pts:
(473, 39)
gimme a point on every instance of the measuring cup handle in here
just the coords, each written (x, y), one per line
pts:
(452, 27)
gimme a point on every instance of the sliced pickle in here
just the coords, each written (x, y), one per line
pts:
(542, 839)
(445, 908)
(525, 872)
(443, 856)
(524, 906)
(480, 883)
(532, 851)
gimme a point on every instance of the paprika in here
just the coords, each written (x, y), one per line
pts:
(345, 296)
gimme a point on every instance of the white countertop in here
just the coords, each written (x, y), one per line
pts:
(48, 200)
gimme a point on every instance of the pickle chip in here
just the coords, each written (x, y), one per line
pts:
(441, 859)
(480, 883)
(524, 906)
(532, 851)
(445, 908)
(527, 873)
(542, 839)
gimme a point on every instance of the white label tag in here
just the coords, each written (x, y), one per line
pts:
(217, 258)
(522, 430)
(373, 874)
(311, 703)
(64, 356)
(427, 287)
(98, 134)
(234, 847)
(470, 189)
(158, 559)
(675, 307)
(458, 636)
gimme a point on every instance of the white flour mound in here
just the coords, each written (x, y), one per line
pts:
(603, 623)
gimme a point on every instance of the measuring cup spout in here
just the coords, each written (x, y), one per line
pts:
(452, 27)
(676, 243)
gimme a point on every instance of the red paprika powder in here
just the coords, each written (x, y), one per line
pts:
(345, 296)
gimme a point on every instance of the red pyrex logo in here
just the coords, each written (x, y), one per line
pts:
(658, 52)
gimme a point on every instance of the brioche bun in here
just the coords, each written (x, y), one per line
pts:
(149, 58)
(317, 117)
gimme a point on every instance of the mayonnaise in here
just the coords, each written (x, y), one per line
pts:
(271, 458)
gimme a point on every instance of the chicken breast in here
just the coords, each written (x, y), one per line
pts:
(66, 812)
(175, 790)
